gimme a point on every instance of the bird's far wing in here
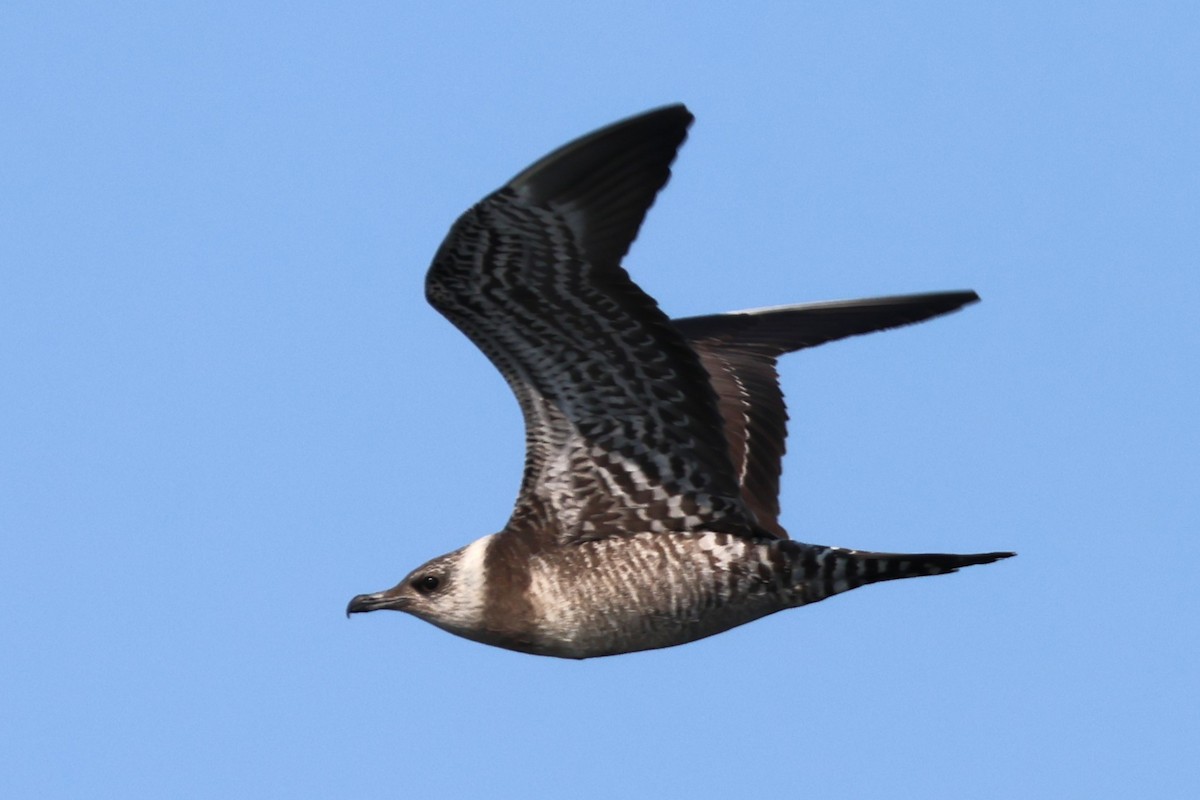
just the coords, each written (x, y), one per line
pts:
(739, 351)
(622, 429)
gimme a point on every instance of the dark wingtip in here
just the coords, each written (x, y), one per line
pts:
(610, 178)
(783, 329)
(553, 174)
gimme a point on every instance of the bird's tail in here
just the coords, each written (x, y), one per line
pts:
(827, 571)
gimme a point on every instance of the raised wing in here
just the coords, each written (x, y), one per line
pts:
(739, 351)
(621, 425)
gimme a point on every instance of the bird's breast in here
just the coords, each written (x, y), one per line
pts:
(649, 590)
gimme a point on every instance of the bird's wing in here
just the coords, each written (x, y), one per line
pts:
(739, 351)
(621, 426)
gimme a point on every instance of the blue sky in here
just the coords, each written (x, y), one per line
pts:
(226, 407)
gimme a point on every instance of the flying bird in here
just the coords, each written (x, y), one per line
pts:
(648, 514)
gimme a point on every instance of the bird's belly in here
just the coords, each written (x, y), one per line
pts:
(647, 591)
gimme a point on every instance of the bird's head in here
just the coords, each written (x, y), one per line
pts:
(447, 591)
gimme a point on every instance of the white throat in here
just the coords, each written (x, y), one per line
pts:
(472, 573)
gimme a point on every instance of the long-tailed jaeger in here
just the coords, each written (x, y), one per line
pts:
(648, 515)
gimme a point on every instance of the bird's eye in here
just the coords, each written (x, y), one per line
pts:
(427, 584)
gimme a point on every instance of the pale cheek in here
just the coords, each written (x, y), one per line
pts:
(471, 580)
